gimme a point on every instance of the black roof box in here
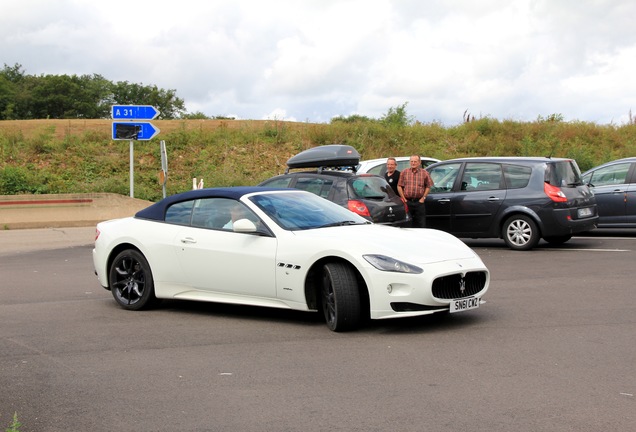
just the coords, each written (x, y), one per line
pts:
(332, 155)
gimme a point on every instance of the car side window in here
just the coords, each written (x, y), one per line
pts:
(281, 182)
(610, 175)
(378, 170)
(180, 213)
(517, 176)
(444, 176)
(317, 186)
(211, 212)
(403, 164)
(479, 176)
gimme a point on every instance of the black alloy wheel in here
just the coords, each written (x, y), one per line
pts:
(131, 280)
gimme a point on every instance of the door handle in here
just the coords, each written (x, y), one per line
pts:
(188, 240)
(491, 199)
(443, 200)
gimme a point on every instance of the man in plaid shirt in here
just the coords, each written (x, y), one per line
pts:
(414, 185)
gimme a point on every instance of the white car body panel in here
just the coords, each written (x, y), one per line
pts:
(244, 268)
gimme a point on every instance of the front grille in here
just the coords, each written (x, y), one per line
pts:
(450, 286)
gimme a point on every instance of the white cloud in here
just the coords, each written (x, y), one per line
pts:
(312, 60)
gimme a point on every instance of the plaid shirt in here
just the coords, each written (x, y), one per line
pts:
(414, 183)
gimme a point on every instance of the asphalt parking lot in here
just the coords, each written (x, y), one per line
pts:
(551, 350)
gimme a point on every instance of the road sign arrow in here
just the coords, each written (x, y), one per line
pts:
(142, 131)
(133, 112)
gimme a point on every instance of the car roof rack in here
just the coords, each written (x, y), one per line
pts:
(328, 157)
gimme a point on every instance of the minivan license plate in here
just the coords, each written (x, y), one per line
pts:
(585, 212)
(461, 305)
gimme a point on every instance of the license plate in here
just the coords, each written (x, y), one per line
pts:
(464, 304)
(585, 212)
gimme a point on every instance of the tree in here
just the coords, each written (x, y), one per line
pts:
(10, 78)
(397, 116)
(25, 96)
(166, 101)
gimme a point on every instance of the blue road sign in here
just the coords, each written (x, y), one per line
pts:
(141, 131)
(134, 112)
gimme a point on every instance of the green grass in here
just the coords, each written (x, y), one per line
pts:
(88, 161)
(15, 424)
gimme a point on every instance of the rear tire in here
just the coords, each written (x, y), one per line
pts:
(130, 281)
(557, 240)
(520, 233)
(340, 297)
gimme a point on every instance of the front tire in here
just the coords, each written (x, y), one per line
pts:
(130, 281)
(340, 297)
(520, 233)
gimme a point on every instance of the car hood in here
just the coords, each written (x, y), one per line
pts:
(415, 245)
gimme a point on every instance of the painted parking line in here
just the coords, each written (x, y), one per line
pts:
(587, 250)
(605, 238)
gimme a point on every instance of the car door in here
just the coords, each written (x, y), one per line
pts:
(611, 189)
(630, 198)
(214, 258)
(438, 202)
(475, 206)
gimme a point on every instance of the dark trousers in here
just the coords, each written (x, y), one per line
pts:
(418, 213)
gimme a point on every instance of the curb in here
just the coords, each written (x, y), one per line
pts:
(65, 210)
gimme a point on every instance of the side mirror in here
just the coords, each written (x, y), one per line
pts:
(244, 226)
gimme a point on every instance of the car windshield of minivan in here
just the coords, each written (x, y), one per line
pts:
(563, 173)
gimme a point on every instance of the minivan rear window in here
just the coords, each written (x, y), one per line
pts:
(563, 174)
(370, 187)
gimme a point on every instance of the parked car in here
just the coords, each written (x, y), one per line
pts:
(378, 166)
(290, 249)
(614, 186)
(519, 199)
(333, 177)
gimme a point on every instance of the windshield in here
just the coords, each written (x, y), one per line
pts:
(369, 187)
(563, 174)
(303, 210)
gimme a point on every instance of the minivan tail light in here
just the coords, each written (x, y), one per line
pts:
(555, 193)
(358, 207)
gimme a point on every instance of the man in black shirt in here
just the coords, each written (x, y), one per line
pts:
(392, 175)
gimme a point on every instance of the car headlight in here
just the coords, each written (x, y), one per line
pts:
(385, 263)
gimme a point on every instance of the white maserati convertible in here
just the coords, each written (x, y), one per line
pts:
(284, 249)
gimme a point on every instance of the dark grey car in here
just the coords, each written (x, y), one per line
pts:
(335, 179)
(614, 186)
(519, 199)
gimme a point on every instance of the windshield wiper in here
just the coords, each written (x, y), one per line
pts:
(339, 223)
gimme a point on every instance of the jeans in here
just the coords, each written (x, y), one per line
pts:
(418, 213)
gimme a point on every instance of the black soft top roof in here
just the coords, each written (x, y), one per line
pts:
(157, 210)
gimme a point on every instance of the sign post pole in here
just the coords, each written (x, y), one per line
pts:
(164, 166)
(132, 171)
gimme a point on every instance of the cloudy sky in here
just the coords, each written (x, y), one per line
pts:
(311, 60)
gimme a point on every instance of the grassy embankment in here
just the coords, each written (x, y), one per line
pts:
(77, 156)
